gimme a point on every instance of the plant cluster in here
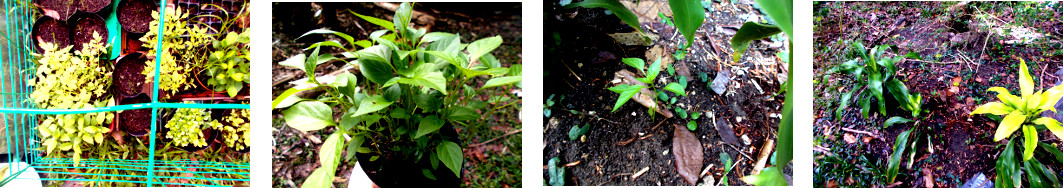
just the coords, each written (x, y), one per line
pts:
(238, 134)
(229, 65)
(1024, 112)
(72, 81)
(186, 126)
(415, 83)
(628, 91)
(877, 74)
(180, 49)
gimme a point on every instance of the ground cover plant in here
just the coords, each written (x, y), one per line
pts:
(709, 103)
(945, 63)
(402, 107)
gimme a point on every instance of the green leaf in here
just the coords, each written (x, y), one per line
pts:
(426, 76)
(614, 6)
(501, 81)
(450, 154)
(325, 43)
(1031, 141)
(652, 71)
(375, 64)
(295, 61)
(402, 16)
(635, 62)
(393, 93)
(329, 153)
(770, 176)
(308, 116)
(429, 124)
(995, 108)
(749, 32)
(462, 113)
(675, 88)
(1025, 80)
(692, 125)
(1009, 125)
(689, 15)
(321, 177)
(345, 37)
(781, 11)
(483, 47)
(895, 158)
(375, 21)
(896, 120)
(843, 104)
(372, 104)
(626, 92)
(1007, 167)
(286, 98)
(347, 122)
(1051, 124)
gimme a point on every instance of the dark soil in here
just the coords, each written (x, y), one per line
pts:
(93, 6)
(64, 8)
(128, 78)
(49, 30)
(580, 63)
(393, 169)
(85, 26)
(960, 61)
(135, 15)
(135, 122)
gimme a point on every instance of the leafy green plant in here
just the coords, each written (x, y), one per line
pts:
(180, 49)
(693, 124)
(238, 134)
(577, 131)
(782, 13)
(415, 83)
(186, 126)
(877, 73)
(688, 15)
(229, 65)
(628, 91)
(549, 103)
(72, 81)
(727, 166)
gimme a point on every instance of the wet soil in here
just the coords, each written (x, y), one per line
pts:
(128, 78)
(136, 122)
(63, 8)
(581, 60)
(85, 26)
(135, 15)
(962, 58)
(49, 30)
(93, 6)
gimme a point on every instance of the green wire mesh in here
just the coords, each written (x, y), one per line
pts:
(20, 121)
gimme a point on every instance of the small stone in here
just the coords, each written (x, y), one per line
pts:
(632, 113)
(665, 152)
(745, 140)
(719, 84)
(708, 181)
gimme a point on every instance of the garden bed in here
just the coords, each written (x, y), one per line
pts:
(582, 59)
(961, 58)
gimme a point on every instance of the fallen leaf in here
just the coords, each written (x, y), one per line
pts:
(688, 154)
(849, 138)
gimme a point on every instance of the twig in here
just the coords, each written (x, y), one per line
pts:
(573, 72)
(862, 132)
(933, 62)
(496, 138)
(740, 152)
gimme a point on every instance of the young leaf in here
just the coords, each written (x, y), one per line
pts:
(345, 37)
(1031, 141)
(1025, 80)
(483, 47)
(375, 64)
(295, 61)
(308, 116)
(428, 125)
(1009, 125)
(675, 88)
(626, 92)
(635, 62)
(749, 32)
(689, 15)
(286, 98)
(375, 21)
(896, 120)
(692, 125)
(372, 104)
(450, 154)
(500, 81)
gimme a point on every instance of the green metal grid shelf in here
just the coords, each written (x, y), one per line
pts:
(20, 118)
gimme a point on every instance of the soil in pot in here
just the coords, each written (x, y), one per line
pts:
(84, 26)
(50, 30)
(129, 81)
(93, 6)
(58, 9)
(394, 170)
(135, 15)
(135, 122)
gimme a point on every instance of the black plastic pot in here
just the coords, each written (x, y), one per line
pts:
(63, 8)
(84, 26)
(403, 173)
(135, 15)
(135, 122)
(128, 77)
(50, 30)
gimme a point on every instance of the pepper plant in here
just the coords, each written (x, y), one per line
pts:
(186, 126)
(628, 91)
(228, 66)
(413, 83)
(1024, 112)
(181, 48)
(72, 81)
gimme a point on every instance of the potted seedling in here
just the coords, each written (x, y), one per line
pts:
(228, 67)
(415, 87)
(134, 15)
(182, 49)
(191, 129)
(49, 30)
(72, 80)
(129, 81)
(84, 27)
(93, 6)
(58, 9)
